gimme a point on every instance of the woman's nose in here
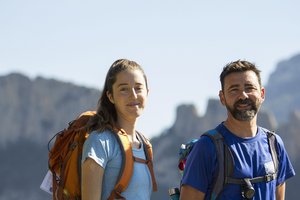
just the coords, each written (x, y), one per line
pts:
(133, 93)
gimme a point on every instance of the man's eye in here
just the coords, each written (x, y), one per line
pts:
(233, 90)
(249, 89)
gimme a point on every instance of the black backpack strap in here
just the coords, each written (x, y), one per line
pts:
(225, 162)
(269, 177)
(272, 146)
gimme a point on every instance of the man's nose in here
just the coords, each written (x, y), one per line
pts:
(244, 95)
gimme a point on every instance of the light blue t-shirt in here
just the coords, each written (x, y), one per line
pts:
(104, 149)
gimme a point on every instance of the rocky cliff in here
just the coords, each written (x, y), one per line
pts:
(31, 107)
(282, 90)
(32, 111)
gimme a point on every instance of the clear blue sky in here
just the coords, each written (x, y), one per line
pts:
(182, 45)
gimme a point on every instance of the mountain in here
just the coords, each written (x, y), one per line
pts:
(32, 107)
(282, 90)
(33, 110)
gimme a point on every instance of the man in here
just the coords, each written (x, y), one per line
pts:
(242, 94)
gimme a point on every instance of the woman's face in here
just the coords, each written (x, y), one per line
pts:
(129, 94)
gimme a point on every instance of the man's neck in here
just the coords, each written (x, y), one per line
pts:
(242, 129)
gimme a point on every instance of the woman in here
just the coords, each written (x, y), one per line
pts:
(122, 101)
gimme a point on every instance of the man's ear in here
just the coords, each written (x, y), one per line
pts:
(263, 94)
(221, 97)
(110, 97)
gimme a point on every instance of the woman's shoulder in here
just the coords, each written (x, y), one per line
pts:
(102, 135)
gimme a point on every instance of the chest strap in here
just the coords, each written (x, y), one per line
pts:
(266, 178)
(149, 164)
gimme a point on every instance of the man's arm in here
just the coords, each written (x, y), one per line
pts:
(280, 191)
(189, 193)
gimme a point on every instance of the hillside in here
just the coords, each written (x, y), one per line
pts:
(283, 94)
(32, 112)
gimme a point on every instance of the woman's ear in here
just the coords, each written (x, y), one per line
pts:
(110, 97)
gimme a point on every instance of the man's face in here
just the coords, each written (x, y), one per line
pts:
(242, 95)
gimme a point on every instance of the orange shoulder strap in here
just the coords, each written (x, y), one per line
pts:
(149, 159)
(126, 167)
(127, 164)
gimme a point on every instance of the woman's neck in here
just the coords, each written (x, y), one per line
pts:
(130, 130)
(127, 126)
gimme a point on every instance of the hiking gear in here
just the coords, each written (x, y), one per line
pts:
(174, 193)
(226, 165)
(184, 151)
(65, 160)
(127, 164)
(225, 172)
(248, 191)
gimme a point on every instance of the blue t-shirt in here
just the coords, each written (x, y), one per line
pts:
(251, 157)
(105, 150)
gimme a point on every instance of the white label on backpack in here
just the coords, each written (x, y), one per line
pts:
(269, 167)
(47, 183)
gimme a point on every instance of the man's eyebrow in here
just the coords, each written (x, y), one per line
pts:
(233, 86)
(249, 84)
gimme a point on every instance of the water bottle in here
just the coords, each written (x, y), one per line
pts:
(174, 193)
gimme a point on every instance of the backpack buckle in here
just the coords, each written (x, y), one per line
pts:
(270, 177)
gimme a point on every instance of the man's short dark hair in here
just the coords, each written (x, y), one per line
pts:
(239, 66)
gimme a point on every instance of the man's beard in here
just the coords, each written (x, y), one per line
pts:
(243, 115)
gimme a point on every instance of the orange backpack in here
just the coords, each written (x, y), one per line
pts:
(65, 160)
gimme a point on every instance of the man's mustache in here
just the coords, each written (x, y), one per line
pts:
(244, 101)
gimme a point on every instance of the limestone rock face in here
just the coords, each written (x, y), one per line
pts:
(36, 109)
(282, 90)
(32, 111)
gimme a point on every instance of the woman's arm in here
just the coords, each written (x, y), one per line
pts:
(91, 180)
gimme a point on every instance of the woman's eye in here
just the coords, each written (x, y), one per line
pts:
(123, 89)
(139, 89)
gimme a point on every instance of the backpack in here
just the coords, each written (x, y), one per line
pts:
(65, 160)
(224, 174)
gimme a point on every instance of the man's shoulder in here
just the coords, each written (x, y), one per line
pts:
(278, 140)
(269, 132)
(206, 140)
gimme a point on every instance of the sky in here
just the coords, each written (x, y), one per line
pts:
(182, 45)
